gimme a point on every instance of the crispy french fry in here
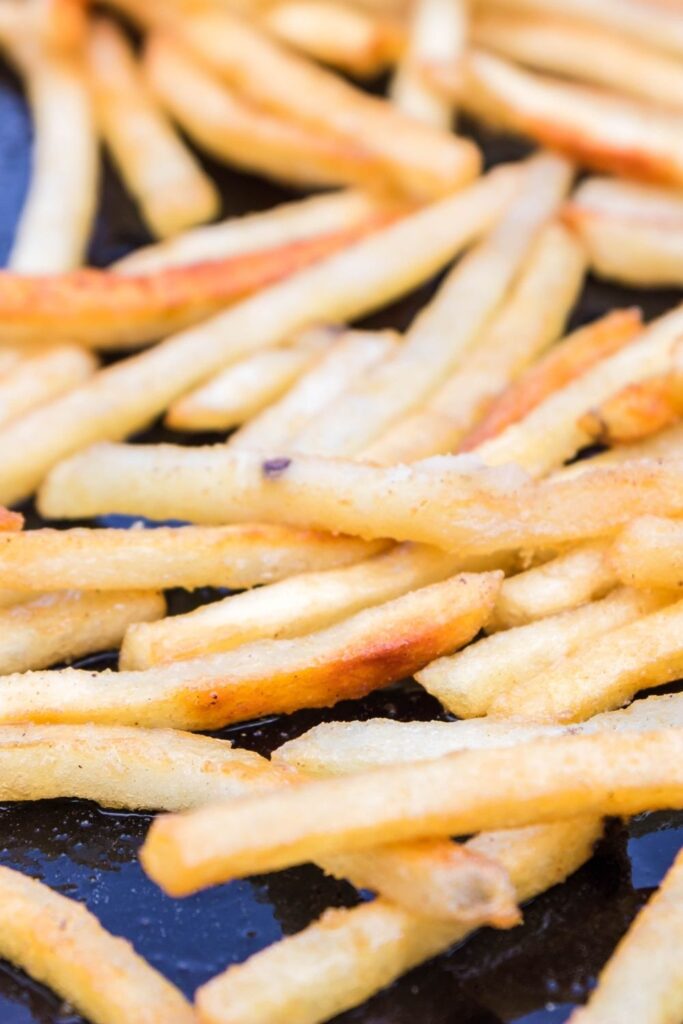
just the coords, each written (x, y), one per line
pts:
(61, 944)
(649, 553)
(289, 222)
(348, 955)
(340, 748)
(336, 34)
(582, 350)
(667, 444)
(59, 627)
(436, 36)
(292, 607)
(107, 310)
(529, 320)
(621, 773)
(448, 328)
(41, 377)
(643, 979)
(470, 683)
(637, 410)
(247, 387)
(186, 556)
(573, 578)
(601, 130)
(127, 396)
(346, 660)
(581, 51)
(232, 129)
(172, 189)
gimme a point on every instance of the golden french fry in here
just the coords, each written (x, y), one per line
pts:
(643, 980)
(470, 683)
(667, 444)
(41, 377)
(59, 627)
(649, 553)
(336, 34)
(348, 955)
(636, 411)
(127, 396)
(530, 319)
(172, 189)
(339, 748)
(61, 944)
(291, 607)
(531, 783)
(437, 35)
(185, 556)
(347, 660)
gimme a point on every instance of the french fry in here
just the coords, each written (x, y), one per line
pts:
(60, 943)
(637, 410)
(170, 186)
(55, 221)
(437, 35)
(10, 520)
(232, 129)
(185, 556)
(573, 578)
(296, 221)
(582, 350)
(60, 627)
(529, 320)
(348, 955)
(649, 553)
(667, 444)
(340, 748)
(643, 977)
(448, 328)
(598, 129)
(619, 773)
(470, 683)
(633, 233)
(246, 388)
(344, 661)
(336, 34)
(126, 397)
(291, 607)
(103, 309)
(41, 377)
(587, 53)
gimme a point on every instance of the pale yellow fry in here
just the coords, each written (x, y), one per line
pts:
(345, 661)
(582, 51)
(170, 186)
(470, 683)
(649, 553)
(127, 396)
(339, 748)
(291, 607)
(61, 944)
(283, 424)
(63, 626)
(643, 980)
(530, 319)
(41, 377)
(667, 444)
(446, 330)
(348, 955)
(289, 222)
(187, 556)
(437, 35)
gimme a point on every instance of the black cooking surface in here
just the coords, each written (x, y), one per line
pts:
(533, 974)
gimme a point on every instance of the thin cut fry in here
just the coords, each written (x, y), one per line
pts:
(643, 979)
(668, 444)
(59, 627)
(348, 660)
(41, 377)
(61, 944)
(468, 684)
(173, 191)
(637, 410)
(649, 553)
(186, 556)
(436, 36)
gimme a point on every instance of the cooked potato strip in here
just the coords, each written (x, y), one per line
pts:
(437, 35)
(348, 955)
(649, 553)
(637, 410)
(61, 944)
(643, 980)
(186, 556)
(41, 377)
(63, 626)
(347, 660)
(171, 188)
(470, 683)
(667, 444)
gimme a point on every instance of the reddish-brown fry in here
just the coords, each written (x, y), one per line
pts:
(10, 520)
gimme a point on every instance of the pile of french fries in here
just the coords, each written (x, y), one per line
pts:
(379, 505)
